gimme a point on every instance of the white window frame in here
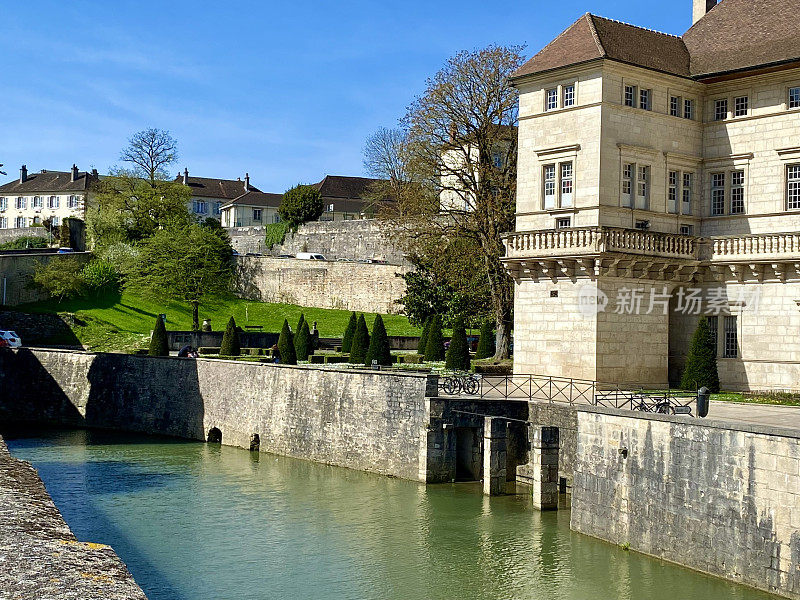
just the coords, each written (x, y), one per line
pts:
(72, 202)
(673, 184)
(719, 181)
(741, 106)
(19, 222)
(55, 221)
(551, 99)
(38, 202)
(257, 214)
(3, 222)
(737, 191)
(793, 97)
(21, 203)
(566, 184)
(628, 170)
(643, 179)
(568, 95)
(53, 202)
(793, 186)
(549, 184)
(563, 222)
(630, 96)
(3, 203)
(687, 192)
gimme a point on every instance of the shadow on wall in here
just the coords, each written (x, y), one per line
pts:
(29, 394)
(151, 395)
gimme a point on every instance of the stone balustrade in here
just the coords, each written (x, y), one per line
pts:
(590, 241)
(773, 246)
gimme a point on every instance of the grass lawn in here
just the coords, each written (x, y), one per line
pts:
(123, 323)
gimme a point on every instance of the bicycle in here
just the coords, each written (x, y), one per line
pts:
(458, 383)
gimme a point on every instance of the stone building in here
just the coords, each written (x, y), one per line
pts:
(347, 198)
(657, 173)
(251, 209)
(209, 195)
(35, 197)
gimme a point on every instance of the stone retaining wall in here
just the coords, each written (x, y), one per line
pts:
(39, 555)
(12, 233)
(704, 494)
(16, 275)
(361, 419)
(322, 284)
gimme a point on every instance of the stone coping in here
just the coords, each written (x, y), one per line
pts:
(39, 555)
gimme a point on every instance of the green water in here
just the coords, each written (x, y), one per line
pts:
(194, 521)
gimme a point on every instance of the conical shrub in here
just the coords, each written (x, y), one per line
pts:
(358, 351)
(303, 342)
(286, 345)
(231, 345)
(349, 332)
(379, 349)
(458, 352)
(423, 339)
(299, 327)
(486, 342)
(434, 346)
(701, 362)
(158, 341)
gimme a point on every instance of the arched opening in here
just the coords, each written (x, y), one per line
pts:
(255, 443)
(214, 436)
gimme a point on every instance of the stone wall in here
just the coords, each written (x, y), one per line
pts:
(16, 272)
(322, 284)
(13, 233)
(713, 498)
(354, 240)
(360, 419)
(39, 556)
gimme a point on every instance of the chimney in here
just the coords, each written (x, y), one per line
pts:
(186, 177)
(95, 174)
(700, 8)
(23, 174)
(74, 173)
(247, 182)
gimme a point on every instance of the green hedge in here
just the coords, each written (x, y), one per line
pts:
(208, 350)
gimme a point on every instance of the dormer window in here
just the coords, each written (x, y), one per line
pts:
(740, 106)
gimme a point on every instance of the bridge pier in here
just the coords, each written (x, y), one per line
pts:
(495, 452)
(541, 472)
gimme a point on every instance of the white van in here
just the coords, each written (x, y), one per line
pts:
(309, 256)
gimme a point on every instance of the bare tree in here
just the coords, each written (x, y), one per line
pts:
(460, 142)
(150, 151)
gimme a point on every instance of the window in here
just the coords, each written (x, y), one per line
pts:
(53, 202)
(569, 95)
(740, 106)
(675, 106)
(794, 97)
(737, 192)
(627, 185)
(687, 230)
(551, 99)
(199, 207)
(3, 203)
(3, 223)
(19, 222)
(55, 221)
(21, 203)
(37, 202)
(672, 192)
(563, 222)
(549, 186)
(713, 330)
(718, 194)
(256, 214)
(721, 109)
(72, 202)
(630, 96)
(642, 186)
(276, 218)
(217, 209)
(566, 184)
(688, 182)
(644, 99)
(793, 187)
(688, 109)
(731, 338)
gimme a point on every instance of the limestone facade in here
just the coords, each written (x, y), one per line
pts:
(630, 177)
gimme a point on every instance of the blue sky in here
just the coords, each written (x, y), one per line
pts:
(286, 91)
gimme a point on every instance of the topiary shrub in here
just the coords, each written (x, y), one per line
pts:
(360, 347)
(458, 353)
(423, 339)
(379, 349)
(347, 339)
(302, 342)
(701, 362)
(299, 327)
(286, 345)
(231, 345)
(434, 346)
(486, 342)
(158, 341)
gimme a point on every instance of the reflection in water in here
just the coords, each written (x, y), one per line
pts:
(202, 521)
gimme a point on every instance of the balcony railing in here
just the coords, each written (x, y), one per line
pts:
(589, 241)
(773, 246)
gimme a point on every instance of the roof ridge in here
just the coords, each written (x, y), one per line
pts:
(672, 35)
(590, 18)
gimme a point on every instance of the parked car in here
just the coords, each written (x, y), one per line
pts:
(65, 251)
(309, 256)
(9, 339)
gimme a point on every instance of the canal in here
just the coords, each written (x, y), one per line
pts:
(195, 521)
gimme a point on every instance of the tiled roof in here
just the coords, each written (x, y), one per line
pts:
(744, 34)
(337, 186)
(49, 181)
(735, 35)
(226, 189)
(251, 198)
(592, 37)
